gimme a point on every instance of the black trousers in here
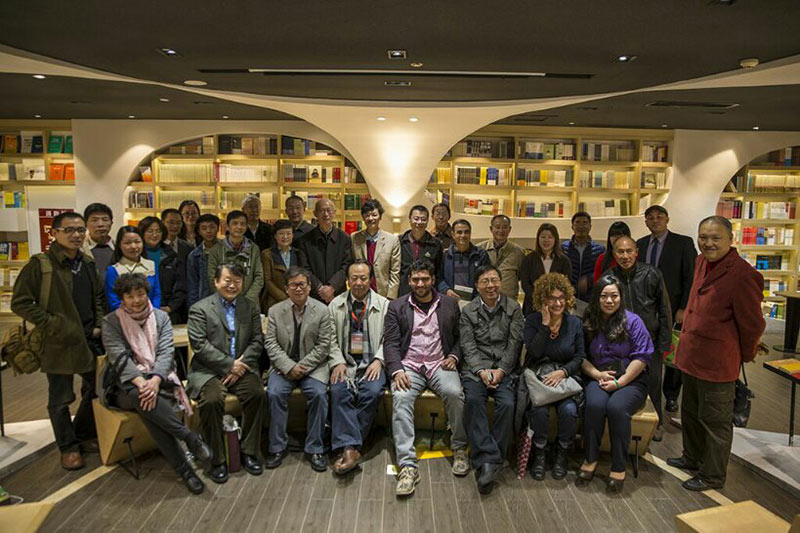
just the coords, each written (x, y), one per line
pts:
(672, 379)
(70, 432)
(163, 423)
(488, 445)
(707, 423)
(655, 369)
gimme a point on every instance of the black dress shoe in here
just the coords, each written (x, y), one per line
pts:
(317, 460)
(219, 473)
(560, 464)
(584, 477)
(486, 476)
(274, 460)
(200, 450)
(537, 471)
(658, 434)
(672, 406)
(698, 484)
(252, 465)
(680, 462)
(615, 485)
(192, 482)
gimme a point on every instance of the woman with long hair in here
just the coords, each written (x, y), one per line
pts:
(171, 271)
(190, 212)
(547, 257)
(606, 259)
(129, 258)
(618, 349)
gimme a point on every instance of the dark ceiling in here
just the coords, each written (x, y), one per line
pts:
(672, 41)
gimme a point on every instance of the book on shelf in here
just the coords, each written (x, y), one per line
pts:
(729, 208)
(651, 179)
(233, 199)
(146, 174)
(547, 150)
(55, 142)
(192, 147)
(766, 183)
(32, 170)
(498, 176)
(352, 175)
(607, 151)
(205, 199)
(655, 153)
(529, 177)
(140, 200)
(5, 301)
(199, 173)
(479, 206)
(13, 199)
(788, 157)
(605, 179)
(762, 210)
(774, 309)
(532, 209)
(69, 172)
(14, 251)
(619, 207)
(12, 172)
(246, 145)
(497, 149)
(68, 143)
(353, 202)
(32, 142)
(8, 275)
(773, 285)
(311, 173)
(208, 144)
(441, 176)
(772, 236)
(57, 171)
(226, 173)
(10, 143)
(352, 226)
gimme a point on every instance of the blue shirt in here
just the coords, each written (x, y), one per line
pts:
(286, 257)
(154, 255)
(229, 308)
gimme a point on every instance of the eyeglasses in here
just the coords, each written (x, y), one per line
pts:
(299, 285)
(554, 299)
(69, 230)
(486, 282)
(153, 231)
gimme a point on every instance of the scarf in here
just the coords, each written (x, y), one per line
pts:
(141, 332)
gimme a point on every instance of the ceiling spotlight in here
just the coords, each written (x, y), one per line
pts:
(626, 58)
(131, 116)
(396, 54)
(750, 62)
(571, 123)
(755, 127)
(37, 116)
(225, 116)
(169, 52)
(195, 83)
(39, 76)
(413, 119)
(397, 83)
(416, 64)
(381, 119)
(663, 125)
(163, 99)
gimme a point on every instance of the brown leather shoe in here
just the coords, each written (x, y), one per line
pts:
(347, 461)
(72, 461)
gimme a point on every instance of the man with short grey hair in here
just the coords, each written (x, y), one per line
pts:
(258, 231)
(504, 255)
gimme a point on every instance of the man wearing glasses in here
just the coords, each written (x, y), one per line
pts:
(59, 292)
(298, 343)
(491, 339)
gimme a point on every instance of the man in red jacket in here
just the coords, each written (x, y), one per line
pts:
(721, 329)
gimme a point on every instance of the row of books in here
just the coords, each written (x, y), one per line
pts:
(771, 262)
(140, 200)
(295, 146)
(788, 157)
(771, 183)
(651, 179)
(526, 209)
(352, 226)
(774, 309)
(62, 172)
(483, 175)
(205, 199)
(772, 285)
(607, 179)
(59, 142)
(608, 151)
(13, 199)
(527, 177)
(311, 173)
(32, 142)
(233, 199)
(226, 173)
(199, 173)
(8, 276)
(479, 206)
(655, 153)
(201, 146)
(311, 199)
(484, 148)
(28, 169)
(352, 175)
(248, 145)
(547, 150)
(5, 301)
(14, 251)
(441, 175)
(618, 207)
(353, 202)
(772, 236)
(756, 210)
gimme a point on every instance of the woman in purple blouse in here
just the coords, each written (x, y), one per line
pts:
(618, 348)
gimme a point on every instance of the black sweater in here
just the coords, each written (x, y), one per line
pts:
(566, 350)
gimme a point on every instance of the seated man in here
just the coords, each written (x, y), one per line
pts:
(491, 338)
(225, 334)
(358, 379)
(298, 342)
(422, 350)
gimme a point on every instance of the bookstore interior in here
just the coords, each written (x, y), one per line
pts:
(673, 115)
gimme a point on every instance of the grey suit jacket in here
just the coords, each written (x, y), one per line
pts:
(386, 263)
(315, 338)
(210, 339)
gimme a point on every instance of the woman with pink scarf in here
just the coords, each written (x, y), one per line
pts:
(138, 341)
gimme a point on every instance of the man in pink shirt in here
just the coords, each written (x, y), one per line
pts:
(421, 350)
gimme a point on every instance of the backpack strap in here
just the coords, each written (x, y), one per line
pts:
(47, 279)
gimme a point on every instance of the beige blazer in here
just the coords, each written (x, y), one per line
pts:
(508, 261)
(376, 312)
(387, 260)
(315, 338)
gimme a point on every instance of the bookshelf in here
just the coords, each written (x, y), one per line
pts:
(218, 171)
(761, 201)
(550, 173)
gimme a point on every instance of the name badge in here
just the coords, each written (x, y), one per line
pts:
(356, 342)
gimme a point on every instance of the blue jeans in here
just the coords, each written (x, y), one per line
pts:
(353, 408)
(278, 391)
(539, 418)
(488, 446)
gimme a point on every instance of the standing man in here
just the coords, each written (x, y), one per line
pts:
(416, 244)
(461, 262)
(358, 378)
(197, 262)
(59, 292)
(237, 249)
(380, 249)
(328, 251)
(645, 294)
(173, 221)
(504, 255)
(295, 208)
(99, 246)
(298, 343)
(583, 253)
(441, 225)
(225, 335)
(674, 255)
(491, 339)
(422, 350)
(722, 327)
(258, 231)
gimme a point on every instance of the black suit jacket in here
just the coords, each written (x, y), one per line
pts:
(262, 237)
(676, 264)
(327, 261)
(399, 322)
(532, 269)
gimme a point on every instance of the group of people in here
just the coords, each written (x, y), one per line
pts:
(348, 316)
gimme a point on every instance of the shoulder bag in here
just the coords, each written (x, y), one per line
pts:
(541, 394)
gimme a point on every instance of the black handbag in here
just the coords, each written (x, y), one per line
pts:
(741, 402)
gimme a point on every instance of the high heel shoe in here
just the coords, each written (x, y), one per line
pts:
(615, 485)
(584, 477)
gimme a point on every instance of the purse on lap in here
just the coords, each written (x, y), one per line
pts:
(541, 394)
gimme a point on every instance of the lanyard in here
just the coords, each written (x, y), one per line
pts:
(359, 319)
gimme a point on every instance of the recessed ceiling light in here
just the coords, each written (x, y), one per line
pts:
(169, 52)
(195, 83)
(397, 83)
(571, 123)
(163, 99)
(626, 58)
(755, 127)
(225, 116)
(381, 119)
(413, 119)
(663, 125)
(396, 54)
(416, 64)
(131, 116)
(37, 116)
(39, 76)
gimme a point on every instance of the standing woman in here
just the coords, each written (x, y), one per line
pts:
(619, 348)
(276, 260)
(138, 341)
(546, 258)
(554, 340)
(128, 258)
(190, 212)
(171, 271)
(380, 249)
(606, 259)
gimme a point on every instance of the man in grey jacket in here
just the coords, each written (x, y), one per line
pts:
(358, 379)
(298, 343)
(491, 338)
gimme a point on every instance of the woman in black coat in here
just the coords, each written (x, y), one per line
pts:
(170, 268)
(546, 258)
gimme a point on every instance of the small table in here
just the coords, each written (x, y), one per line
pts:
(792, 322)
(775, 366)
